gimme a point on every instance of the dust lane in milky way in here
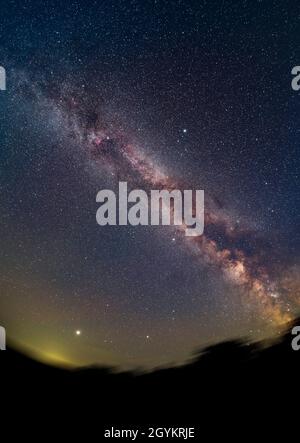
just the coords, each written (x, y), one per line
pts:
(110, 149)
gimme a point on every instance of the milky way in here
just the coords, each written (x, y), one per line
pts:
(111, 150)
(187, 96)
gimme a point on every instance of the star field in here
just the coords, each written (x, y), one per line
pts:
(186, 94)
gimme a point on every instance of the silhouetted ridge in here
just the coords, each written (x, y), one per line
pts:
(226, 372)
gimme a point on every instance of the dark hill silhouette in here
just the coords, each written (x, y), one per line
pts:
(232, 376)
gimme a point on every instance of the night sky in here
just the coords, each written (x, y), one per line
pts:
(161, 94)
